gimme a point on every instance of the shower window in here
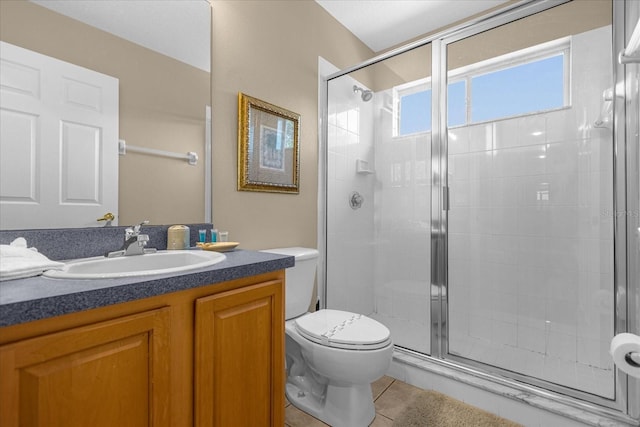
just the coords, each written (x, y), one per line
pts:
(413, 106)
(529, 87)
(527, 81)
(415, 113)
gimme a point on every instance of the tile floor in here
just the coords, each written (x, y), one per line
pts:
(390, 397)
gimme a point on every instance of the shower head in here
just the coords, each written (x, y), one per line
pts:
(366, 95)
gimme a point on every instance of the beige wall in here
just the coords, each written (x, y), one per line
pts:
(269, 50)
(162, 105)
(577, 16)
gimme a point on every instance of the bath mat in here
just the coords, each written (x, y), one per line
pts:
(430, 408)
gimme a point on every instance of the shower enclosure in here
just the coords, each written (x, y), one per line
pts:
(473, 184)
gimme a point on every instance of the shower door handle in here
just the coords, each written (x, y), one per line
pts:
(445, 198)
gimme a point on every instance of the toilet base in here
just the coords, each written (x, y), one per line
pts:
(338, 406)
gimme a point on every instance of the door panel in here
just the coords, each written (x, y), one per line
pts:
(59, 142)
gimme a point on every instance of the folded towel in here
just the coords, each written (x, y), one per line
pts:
(18, 261)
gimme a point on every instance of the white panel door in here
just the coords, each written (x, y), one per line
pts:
(58, 142)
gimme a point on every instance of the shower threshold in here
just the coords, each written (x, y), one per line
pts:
(454, 379)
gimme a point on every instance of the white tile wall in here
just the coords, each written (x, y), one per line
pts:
(402, 226)
(350, 232)
(530, 241)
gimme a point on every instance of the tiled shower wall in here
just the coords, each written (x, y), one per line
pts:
(531, 235)
(403, 231)
(378, 255)
(350, 232)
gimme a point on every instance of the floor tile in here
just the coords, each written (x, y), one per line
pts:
(391, 397)
(294, 417)
(381, 421)
(395, 399)
(378, 387)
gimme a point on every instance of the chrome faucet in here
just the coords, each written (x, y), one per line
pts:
(134, 242)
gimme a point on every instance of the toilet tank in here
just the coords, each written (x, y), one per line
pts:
(299, 279)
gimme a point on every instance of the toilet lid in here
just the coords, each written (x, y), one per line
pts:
(343, 329)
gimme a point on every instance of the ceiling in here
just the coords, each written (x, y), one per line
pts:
(170, 25)
(165, 26)
(381, 24)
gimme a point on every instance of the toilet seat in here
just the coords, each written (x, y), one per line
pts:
(343, 329)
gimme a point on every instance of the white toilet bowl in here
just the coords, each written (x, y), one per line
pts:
(332, 356)
(332, 381)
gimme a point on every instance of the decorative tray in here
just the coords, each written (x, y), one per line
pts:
(218, 247)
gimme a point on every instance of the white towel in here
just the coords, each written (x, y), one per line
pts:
(18, 261)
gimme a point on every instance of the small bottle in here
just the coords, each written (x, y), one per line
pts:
(214, 235)
(202, 234)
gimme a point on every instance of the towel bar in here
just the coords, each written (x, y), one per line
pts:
(191, 156)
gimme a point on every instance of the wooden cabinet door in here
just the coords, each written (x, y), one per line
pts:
(239, 365)
(113, 373)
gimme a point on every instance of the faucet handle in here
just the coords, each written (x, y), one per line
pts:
(134, 230)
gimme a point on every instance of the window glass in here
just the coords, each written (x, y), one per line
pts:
(526, 88)
(415, 113)
(489, 91)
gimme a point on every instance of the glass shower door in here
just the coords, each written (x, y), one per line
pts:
(378, 195)
(530, 173)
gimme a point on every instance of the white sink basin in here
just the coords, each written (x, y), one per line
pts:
(161, 262)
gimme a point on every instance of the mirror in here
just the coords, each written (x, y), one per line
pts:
(163, 100)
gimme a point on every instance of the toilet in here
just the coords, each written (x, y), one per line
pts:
(332, 356)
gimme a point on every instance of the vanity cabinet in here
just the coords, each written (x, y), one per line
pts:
(106, 374)
(206, 356)
(238, 337)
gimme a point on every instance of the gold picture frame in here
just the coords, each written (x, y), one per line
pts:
(268, 147)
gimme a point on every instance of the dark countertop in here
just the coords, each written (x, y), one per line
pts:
(35, 298)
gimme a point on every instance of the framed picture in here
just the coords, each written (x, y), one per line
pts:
(268, 147)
